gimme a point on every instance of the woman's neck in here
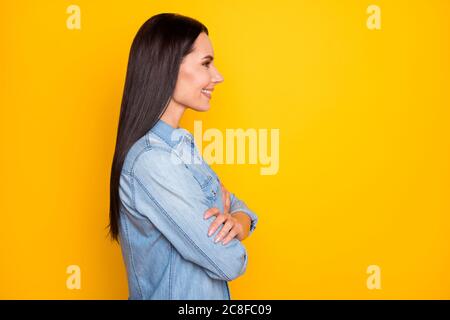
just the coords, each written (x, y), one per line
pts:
(173, 114)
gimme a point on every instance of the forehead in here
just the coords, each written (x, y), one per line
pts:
(202, 46)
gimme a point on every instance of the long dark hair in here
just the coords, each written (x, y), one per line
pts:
(153, 64)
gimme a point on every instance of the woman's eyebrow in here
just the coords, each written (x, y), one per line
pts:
(208, 57)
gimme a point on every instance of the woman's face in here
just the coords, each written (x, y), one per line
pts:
(197, 73)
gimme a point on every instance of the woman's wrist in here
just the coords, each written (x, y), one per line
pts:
(245, 222)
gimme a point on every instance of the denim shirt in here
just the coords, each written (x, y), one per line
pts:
(165, 188)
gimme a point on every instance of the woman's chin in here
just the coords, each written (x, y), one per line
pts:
(202, 107)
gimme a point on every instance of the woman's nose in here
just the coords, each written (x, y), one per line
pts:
(218, 78)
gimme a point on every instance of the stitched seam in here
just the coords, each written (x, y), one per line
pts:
(170, 272)
(204, 184)
(147, 140)
(208, 181)
(132, 190)
(137, 157)
(168, 150)
(182, 231)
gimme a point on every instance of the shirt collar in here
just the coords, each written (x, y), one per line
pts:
(172, 136)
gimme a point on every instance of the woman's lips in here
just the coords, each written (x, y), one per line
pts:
(208, 94)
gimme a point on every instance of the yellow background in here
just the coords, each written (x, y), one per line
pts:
(364, 175)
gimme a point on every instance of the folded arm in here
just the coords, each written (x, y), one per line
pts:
(167, 193)
(238, 207)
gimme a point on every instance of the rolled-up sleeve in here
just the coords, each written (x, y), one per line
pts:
(237, 204)
(167, 193)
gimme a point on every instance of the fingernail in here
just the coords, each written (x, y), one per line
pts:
(217, 239)
(209, 233)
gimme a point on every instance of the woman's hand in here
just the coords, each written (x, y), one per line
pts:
(232, 227)
(225, 198)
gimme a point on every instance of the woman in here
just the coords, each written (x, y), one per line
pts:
(163, 194)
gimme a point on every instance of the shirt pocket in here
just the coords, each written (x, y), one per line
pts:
(201, 171)
(212, 190)
(208, 183)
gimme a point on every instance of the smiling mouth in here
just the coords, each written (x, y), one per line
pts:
(206, 93)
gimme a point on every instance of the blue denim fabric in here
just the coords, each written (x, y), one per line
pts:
(165, 188)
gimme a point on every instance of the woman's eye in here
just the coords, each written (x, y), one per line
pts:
(206, 64)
